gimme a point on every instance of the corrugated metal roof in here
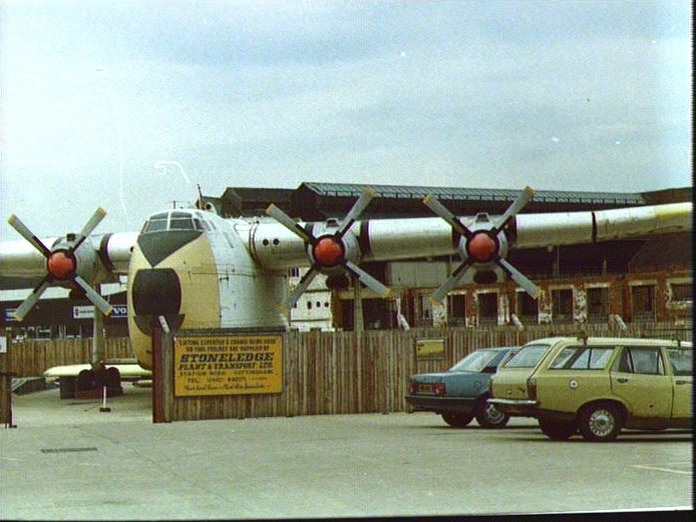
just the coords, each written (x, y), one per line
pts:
(476, 194)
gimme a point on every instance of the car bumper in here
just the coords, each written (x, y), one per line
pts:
(530, 408)
(441, 404)
(516, 407)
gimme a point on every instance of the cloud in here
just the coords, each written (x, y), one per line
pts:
(273, 94)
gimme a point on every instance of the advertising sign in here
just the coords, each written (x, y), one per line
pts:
(430, 348)
(228, 365)
(87, 312)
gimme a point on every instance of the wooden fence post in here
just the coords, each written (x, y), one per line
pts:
(162, 347)
(5, 385)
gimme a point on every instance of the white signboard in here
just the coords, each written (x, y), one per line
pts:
(87, 312)
(83, 312)
(3, 344)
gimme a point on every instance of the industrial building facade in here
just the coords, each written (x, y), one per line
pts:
(615, 282)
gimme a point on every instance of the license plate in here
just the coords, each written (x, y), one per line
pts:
(426, 388)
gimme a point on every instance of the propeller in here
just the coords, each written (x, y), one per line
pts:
(333, 250)
(483, 245)
(66, 264)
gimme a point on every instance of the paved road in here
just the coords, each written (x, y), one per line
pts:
(68, 460)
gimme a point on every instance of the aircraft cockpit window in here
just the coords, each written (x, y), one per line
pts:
(181, 223)
(174, 221)
(155, 223)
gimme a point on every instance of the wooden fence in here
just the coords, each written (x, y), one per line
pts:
(333, 372)
(32, 358)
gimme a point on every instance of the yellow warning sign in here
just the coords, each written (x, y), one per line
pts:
(228, 365)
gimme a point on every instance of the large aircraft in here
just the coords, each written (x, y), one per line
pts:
(202, 271)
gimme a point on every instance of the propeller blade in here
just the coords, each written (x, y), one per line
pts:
(520, 279)
(306, 280)
(355, 211)
(369, 281)
(93, 222)
(289, 223)
(21, 312)
(24, 231)
(452, 280)
(524, 198)
(89, 227)
(433, 204)
(98, 301)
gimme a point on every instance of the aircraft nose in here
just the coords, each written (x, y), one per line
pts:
(156, 292)
(157, 246)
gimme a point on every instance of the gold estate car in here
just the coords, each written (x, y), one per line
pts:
(597, 386)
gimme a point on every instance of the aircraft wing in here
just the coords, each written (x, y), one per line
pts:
(539, 230)
(276, 248)
(482, 241)
(23, 266)
(128, 371)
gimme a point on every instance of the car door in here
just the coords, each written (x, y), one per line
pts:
(681, 361)
(638, 376)
(577, 375)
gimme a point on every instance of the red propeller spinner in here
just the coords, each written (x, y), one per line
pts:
(328, 251)
(61, 265)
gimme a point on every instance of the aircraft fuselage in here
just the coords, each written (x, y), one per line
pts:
(193, 268)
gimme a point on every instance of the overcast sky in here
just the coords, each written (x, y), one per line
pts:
(567, 95)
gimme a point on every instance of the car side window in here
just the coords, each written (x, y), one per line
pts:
(645, 360)
(528, 357)
(681, 360)
(563, 357)
(582, 358)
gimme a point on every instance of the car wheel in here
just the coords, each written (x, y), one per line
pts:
(456, 419)
(600, 422)
(490, 417)
(556, 430)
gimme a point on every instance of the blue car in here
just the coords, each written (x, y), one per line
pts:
(461, 393)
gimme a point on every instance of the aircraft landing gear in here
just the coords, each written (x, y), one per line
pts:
(89, 384)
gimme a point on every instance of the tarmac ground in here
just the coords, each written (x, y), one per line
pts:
(66, 459)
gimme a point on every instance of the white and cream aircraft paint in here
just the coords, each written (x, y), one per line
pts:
(202, 271)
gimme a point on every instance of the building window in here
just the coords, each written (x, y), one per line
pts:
(488, 308)
(643, 299)
(562, 301)
(426, 311)
(456, 309)
(527, 308)
(681, 291)
(598, 304)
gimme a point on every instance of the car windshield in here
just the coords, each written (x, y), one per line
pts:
(474, 362)
(528, 357)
